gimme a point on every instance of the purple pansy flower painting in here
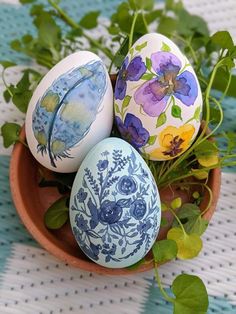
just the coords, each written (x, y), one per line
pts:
(153, 95)
(129, 72)
(132, 130)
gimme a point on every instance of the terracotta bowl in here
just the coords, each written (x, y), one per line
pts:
(31, 202)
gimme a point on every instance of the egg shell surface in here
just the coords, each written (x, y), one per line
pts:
(70, 111)
(114, 205)
(158, 101)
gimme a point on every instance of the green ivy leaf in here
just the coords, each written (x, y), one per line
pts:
(165, 47)
(189, 245)
(147, 76)
(7, 64)
(10, 133)
(49, 33)
(197, 113)
(148, 63)
(190, 295)
(89, 20)
(223, 39)
(161, 119)
(126, 101)
(57, 214)
(167, 25)
(140, 47)
(206, 148)
(152, 139)
(190, 215)
(164, 250)
(176, 112)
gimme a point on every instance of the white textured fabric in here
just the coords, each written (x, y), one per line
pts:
(35, 282)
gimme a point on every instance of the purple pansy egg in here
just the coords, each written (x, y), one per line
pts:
(158, 101)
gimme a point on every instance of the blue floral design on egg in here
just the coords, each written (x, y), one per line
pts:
(114, 205)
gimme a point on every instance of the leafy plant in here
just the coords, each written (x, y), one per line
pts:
(212, 57)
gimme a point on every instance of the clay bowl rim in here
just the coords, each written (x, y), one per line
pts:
(39, 236)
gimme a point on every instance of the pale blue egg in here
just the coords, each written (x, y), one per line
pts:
(115, 206)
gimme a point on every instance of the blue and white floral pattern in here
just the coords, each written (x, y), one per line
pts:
(115, 210)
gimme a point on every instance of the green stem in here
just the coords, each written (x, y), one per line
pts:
(5, 83)
(145, 23)
(199, 139)
(158, 280)
(177, 218)
(68, 20)
(132, 29)
(226, 89)
(22, 142)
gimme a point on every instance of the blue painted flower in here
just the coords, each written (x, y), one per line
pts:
(109, 251)
(132, 130)
(129, 72)
(126, 185)
(154, 94)
(81, 195)
(102, 164)
(143, 227)
(138, 209)
(81, 223)
(110, 212)
(92, 251)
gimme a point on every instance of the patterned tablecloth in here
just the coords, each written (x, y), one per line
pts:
(32, 281)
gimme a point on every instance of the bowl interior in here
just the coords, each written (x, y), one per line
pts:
(32, 201)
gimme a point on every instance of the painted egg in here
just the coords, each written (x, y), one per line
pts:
(158, 101)
(70, 111)
(114, 206)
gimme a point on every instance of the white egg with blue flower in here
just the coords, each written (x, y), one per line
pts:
(70, 111)
(158, 101)
(114, 205)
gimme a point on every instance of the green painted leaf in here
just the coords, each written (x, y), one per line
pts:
(189, 245)
(140, 47)
(161, 119)
(57, 214)
(197, 113)
(89, 20)
(117, 108)
(152, 139)
(147, 76)
(165, 47)
(148, 63)
(176, 112)
(7, 64)
(164, 250)
(190, 295)
(10, 133)
(126, 101)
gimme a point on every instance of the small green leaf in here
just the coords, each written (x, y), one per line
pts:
(164, 207)
(164, 221)
(136, 265)
(189, 245)
(165, 47)
(117, 108)
(10, 133)
(164, 250)
(190, 295)
(223, 39)
(26, 1)
(21, 100)
(190, 215)
(148, 63)
(147, 76)
(6, 96)
(167, 25)
(89, 21)
(161, 119)
(126, 101)
(140, 47)
(152, 139)
(118, 60)
(49, 33)
(176, 112)
(57, 214)
(197, 113)
(7, 64)
(176, 203)
(206, 148)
